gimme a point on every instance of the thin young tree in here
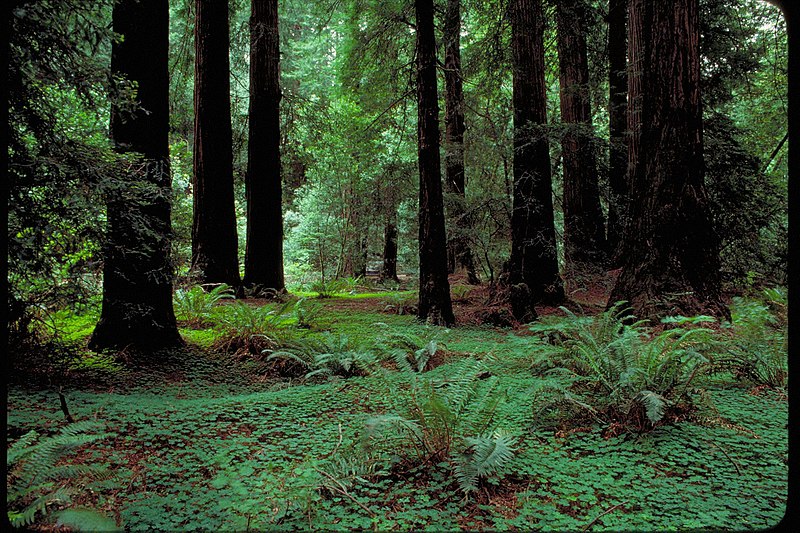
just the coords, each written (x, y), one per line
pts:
(263, 263)
(435, 305)
(617, 122)
(670, 255)
(584, 226)
(459, 253)
(533, 266)
(137, 270)
(214, 242)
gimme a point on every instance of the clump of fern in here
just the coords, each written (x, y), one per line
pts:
(451, 421)
(401, 303)
(36, 476)
(193, 305)
(409, 352)
(323, 357)
(757, 350)
(248, 330)
(624, 372)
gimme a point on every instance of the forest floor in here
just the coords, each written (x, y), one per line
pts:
(207, 440)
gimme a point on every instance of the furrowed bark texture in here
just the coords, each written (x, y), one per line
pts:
(617, 122)
(670, 259)
(434, 289)
(533, 259)
(584, 227)
(137, 272)
(459, 254)
(263, 265)
(215, 253)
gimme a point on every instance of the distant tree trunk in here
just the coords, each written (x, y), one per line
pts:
(584, 228)
(434, 289)
(533, 266)
(459, 252)
(214, 242)
(617, 122)
(263, 264)
(137, 271)
(389, 270)
(670, 260)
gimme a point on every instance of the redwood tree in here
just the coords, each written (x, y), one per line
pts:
(214, 242)
(434, 289)
(137, 269)
(617, 121)
(584, 227)
(459, 252)
(670, 255)
(533, 266)
(263, 264)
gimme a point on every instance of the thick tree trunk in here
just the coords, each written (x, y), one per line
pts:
(584, 228)
(137, 271)
(459, 253)
(215, 253)
(670, 260)
(533, 261)
(434, 289)
(263, 264)
(617, 122)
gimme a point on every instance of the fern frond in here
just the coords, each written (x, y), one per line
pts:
(483, 456)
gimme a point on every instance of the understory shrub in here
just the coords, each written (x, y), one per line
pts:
(623, 372)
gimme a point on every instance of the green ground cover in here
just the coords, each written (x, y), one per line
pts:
(214, 441)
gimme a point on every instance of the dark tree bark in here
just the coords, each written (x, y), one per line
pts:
(533, 261)
(215, 253)
(584, 228)
(263, 264)
(137, 271)
(617, 122)
(389, 270)
(459, 253)
(434, 289)
(670, 259)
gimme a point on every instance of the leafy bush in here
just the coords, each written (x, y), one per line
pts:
(624, 372)
(450, 421)
(36, 477)
(193, 305)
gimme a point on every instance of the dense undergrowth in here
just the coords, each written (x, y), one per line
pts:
(309, 414)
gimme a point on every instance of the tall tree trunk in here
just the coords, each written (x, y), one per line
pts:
(670, 260)
(533, 264)
(434, 289)
(584, 228)
(617, 122)
(459, 253)
(137, 272)
(389, 270)
(263, 264)
(214, 242)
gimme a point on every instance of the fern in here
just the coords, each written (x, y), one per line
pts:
(622, 367)
(484, 456)
(194, 305)
(33, 470)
